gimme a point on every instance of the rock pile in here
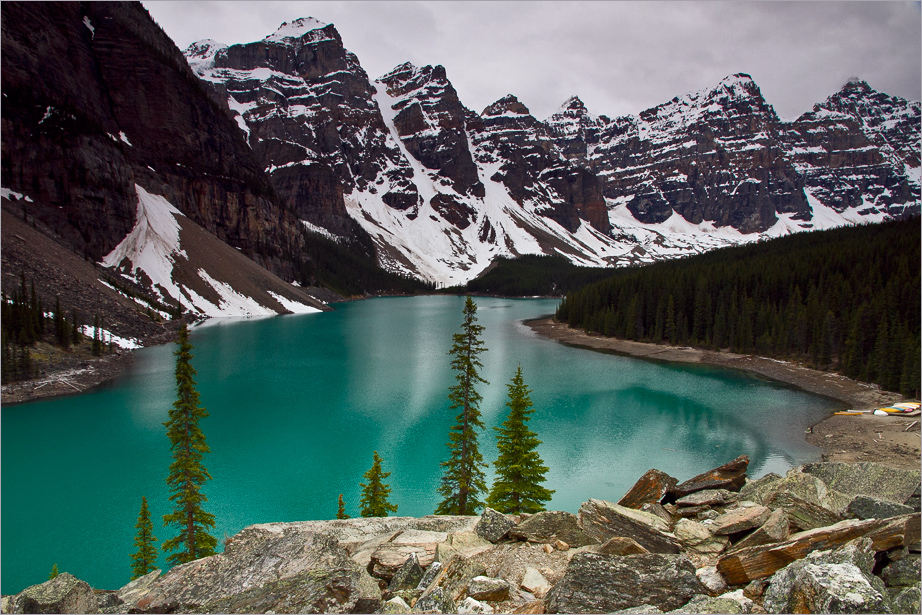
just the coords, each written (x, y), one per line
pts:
(827, 537)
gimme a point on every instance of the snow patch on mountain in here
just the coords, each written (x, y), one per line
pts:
(152, 246)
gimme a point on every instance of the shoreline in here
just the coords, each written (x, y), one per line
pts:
(890, 440)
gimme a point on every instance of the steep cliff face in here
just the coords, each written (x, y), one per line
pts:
(858, 153)
(96, 99)
(101, 108)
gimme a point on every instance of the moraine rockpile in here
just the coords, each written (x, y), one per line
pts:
(827, 537)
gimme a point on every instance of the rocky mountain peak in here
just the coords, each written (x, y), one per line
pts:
(303, 30)
(201, 54)
(508, 104)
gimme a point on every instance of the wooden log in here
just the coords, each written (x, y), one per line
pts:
(745, 565)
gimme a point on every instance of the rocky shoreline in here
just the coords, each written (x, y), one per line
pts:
(891, 440)
(827, 537)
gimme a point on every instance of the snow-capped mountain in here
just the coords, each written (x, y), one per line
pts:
(443, 190)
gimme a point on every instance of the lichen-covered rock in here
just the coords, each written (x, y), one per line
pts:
(435, 601)
(493, 525)
(464, 544)
(604, 520)
(740, 519)
(407, 576)
(868, 507)
(470, 605)
(488, 588)
(137, 589)
(597, 583)
(711, 580)
(643, 609)
(838, 581)
(430, 575)
(775, 529)
(905, 599)
(802, 515)
(711, 604)
(260, 560)
(904, 572)
(697, 537)
(867, 478)
(546, 527)
(395, 606)
(708, 497)
(63, 594)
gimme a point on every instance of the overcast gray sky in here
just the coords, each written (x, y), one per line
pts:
(619, 57)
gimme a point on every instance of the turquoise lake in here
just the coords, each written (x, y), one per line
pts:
(298, 403)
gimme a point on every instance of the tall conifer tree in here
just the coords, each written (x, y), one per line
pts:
(463, 480)
(374, 493)
(144, 560)
(519, 469)
(187, 474)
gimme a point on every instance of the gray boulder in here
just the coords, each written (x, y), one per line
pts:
(711, 604)
(708, 497)
(547, 527)
(905, 599)
(595, 583)
(604, 520)
(643, 609)
(838, 581)
(434, 601)
(470, 605)
(395, 606)
(131, 593)
(407, 576)
(488, 588)
(711, 580)
(63, 594)
(739, 520)
(867, 478)
(493, 525)
(259, 561)
(775, 529)
(868, 507)
(904, 572)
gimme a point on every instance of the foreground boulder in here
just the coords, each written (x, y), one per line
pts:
(596, 583)
(262, 569)
(838, 581)
(550, 526)
(867, 478)
(605, 520)
(63, 594)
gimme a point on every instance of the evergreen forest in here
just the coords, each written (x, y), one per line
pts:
(846, 300)
(531, 275)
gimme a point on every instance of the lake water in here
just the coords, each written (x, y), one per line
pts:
(298, 404)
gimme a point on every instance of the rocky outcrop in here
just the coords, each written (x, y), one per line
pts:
(736, 557)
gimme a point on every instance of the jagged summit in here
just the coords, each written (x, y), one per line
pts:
(507, 104)
(574, 103)
(201, 54)
(295, 30)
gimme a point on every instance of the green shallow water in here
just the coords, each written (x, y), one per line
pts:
(298, 404)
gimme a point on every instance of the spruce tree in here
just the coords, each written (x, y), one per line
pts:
(374, 493)
(341, 512)
(463, 480)
(187, 474)
(54, 572)
(519, 469)
(144, 560)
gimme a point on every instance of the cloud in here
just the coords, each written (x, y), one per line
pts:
(620, 57)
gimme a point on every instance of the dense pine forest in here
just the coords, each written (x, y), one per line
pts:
(531, 275)
(846, 300)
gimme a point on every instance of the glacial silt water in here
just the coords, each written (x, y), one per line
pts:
(298, 404)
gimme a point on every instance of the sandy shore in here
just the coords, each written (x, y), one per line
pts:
(891, 440)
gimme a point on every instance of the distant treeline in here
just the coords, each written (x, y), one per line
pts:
(534, 275)
(846, 299)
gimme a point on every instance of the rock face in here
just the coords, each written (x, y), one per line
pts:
(63, 594)
(597, 583)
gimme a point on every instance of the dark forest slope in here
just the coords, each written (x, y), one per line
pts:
(845, 300)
